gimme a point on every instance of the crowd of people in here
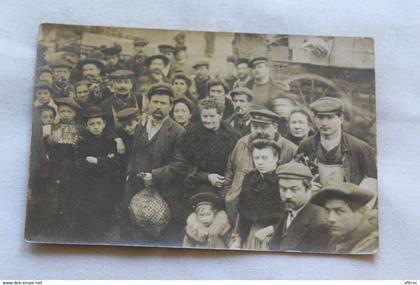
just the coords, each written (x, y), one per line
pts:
(154, 151)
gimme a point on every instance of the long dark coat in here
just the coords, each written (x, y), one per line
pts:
(97, 192)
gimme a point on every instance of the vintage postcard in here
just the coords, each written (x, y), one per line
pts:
(236, 141)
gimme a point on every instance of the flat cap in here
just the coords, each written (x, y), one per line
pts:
(242, 91)
(182, 75)
(68, 101)
(160, 89)
(60, 63)
(149, 59)
(122, 74)
(264, 116)
(344, 191)
(166, 48)
(327, 105)
(257, 60)
(179, 48)
(293, 170)
(44, 85)
(206, 198)
(128, 114)
(141, 42)
(201, 62)
(242, 60)
(93, 112)
(111, 50)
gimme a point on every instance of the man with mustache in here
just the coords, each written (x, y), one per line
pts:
(122, 97)
(264, 124)
(338, 156)
(242, 100)
(152, 163)
(61, 76)
(297, 226)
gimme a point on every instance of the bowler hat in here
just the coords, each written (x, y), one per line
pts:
(93, 112)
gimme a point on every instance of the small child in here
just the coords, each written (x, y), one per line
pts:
(259, 204)
(208, 226)
(61, 180)
(43, 95)
(97, 163)
(47, 115)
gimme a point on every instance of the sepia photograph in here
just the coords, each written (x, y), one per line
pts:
(205, 140)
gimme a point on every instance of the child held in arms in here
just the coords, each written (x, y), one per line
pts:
(97, 164)
(208, 225)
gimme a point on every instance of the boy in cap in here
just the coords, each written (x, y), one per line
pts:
(242, 100)
(97, 164)
(259, 205)
(296, 228)
(208, 225)
(337, 156)
(348, 225)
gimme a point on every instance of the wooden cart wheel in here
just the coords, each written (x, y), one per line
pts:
(310, 87)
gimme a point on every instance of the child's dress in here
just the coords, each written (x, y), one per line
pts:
(196, 234)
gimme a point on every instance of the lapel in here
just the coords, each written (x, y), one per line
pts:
(299, 227)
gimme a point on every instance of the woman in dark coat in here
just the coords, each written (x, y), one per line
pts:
(259, 205)
(98, 194)
(206, 147)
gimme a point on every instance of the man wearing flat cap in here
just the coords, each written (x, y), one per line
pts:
(297, 227)
(138, 62)
(242, 72)
(348, 225)
(181, 60)
(202, 77)
(240, 120)
(61, 77)
(264, 124)
(333, 154)
(152, 161)
(262, 85)
(168, 51)
(122, 96)
(219, 90)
